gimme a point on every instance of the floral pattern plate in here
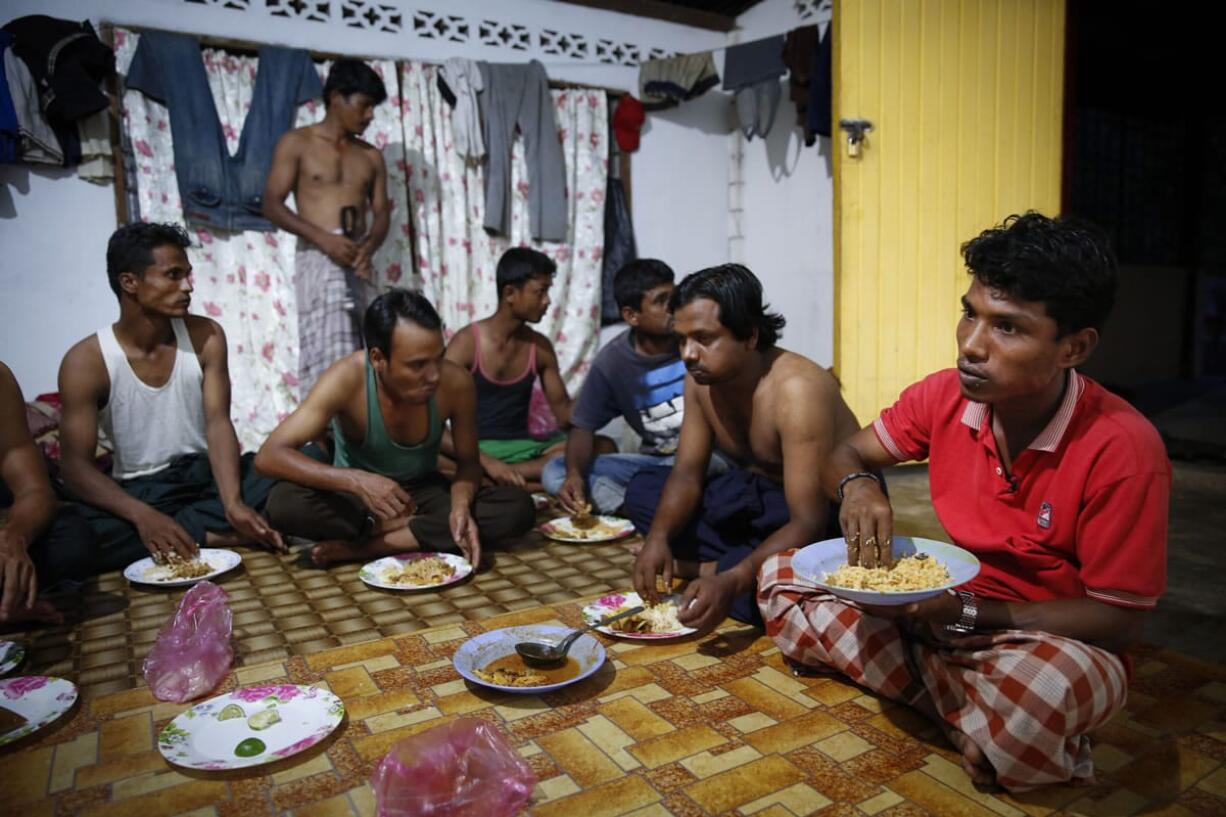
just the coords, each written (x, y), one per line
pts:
(250, 726)
(37, 698)
(373, 573)
(611, 528)
(11, 654)
(146, 571)
(606, 606)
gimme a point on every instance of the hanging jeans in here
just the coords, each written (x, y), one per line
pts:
(221, 191)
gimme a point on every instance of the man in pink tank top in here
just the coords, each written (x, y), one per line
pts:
(506, 356)
(157, 380)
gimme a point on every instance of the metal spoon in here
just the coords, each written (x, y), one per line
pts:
(540, 654)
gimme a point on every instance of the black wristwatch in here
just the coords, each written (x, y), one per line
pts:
(857, 475)
(970, 613)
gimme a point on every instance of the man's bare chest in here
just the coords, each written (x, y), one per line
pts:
(750, 439)
(335, 168)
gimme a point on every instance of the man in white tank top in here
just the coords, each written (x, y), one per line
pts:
(157, 383)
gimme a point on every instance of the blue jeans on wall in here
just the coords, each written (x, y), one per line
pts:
(221, 191)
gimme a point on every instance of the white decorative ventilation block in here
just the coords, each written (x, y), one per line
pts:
(315, 11)
(371, 16)
(431, 25)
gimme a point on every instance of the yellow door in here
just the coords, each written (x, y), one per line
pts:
(965, 98)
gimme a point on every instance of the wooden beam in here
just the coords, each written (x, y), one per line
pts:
(695, 18)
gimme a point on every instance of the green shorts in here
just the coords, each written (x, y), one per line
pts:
(519, 450)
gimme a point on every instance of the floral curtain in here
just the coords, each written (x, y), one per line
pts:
(456, 259)
(245, 281)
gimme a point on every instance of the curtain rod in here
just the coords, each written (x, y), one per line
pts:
(251, 48)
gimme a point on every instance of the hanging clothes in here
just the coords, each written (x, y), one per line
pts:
(463, 78)
(800, 57)
(517, 95)
(821, 87)
(67, 61)
(97, 165)
(752, 70)
(10, 136)
(668, 82)
(37, 142)
(220, 191)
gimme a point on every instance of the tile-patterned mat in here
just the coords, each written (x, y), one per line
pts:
(706, 727)
(281, 608)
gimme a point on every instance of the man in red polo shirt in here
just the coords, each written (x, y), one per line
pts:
(1058, 486)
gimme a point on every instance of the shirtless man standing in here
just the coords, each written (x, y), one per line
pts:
(336, 179)
(776, 414)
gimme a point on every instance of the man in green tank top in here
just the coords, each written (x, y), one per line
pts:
(381, 492)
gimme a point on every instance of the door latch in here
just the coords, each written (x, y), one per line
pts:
(855, 129)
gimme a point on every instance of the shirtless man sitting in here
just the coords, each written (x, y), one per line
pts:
(506, 356)
(158, 385)
(38, 546)
(776, 414)
(337, 180)
(381, 493)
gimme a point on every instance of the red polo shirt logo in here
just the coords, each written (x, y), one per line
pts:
(1044, 519)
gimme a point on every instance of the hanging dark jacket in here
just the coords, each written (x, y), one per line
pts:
(68, 62)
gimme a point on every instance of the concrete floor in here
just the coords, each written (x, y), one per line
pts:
(1191, 616)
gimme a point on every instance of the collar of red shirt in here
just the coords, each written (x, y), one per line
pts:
(975, 414)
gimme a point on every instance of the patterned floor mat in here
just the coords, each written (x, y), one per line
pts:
(714, 726)
(282, 609)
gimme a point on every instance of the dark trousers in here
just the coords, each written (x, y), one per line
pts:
(185, 491)
(66, 551)
(500, 512)
(739, 510)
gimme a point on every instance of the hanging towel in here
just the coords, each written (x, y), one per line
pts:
(463, 77)
(753, 70)
(668, 82)
(517, 94)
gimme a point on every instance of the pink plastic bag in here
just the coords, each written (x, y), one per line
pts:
(465, 767)
(193, 652)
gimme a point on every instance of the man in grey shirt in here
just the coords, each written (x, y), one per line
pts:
(638, 376)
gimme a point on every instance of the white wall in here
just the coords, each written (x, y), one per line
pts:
(787, 203)
(54, 227)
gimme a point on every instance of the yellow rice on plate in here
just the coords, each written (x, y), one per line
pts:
(909, 573)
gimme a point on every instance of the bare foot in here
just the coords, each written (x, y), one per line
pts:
(334, 550)
(974, 762)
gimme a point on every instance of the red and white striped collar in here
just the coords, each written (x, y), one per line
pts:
(975, 413)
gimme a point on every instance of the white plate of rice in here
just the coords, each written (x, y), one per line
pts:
(209, 563)
(923, 568)
(415, 571)
(654, 622)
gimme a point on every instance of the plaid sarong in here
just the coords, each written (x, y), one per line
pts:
(1026, 698)
(330, 307)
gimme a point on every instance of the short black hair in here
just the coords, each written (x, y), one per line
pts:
(519, 265)
(1064, 263)
(635, 279)
(390, 308)
(739, 295)
(131, 248)
(354, 77)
